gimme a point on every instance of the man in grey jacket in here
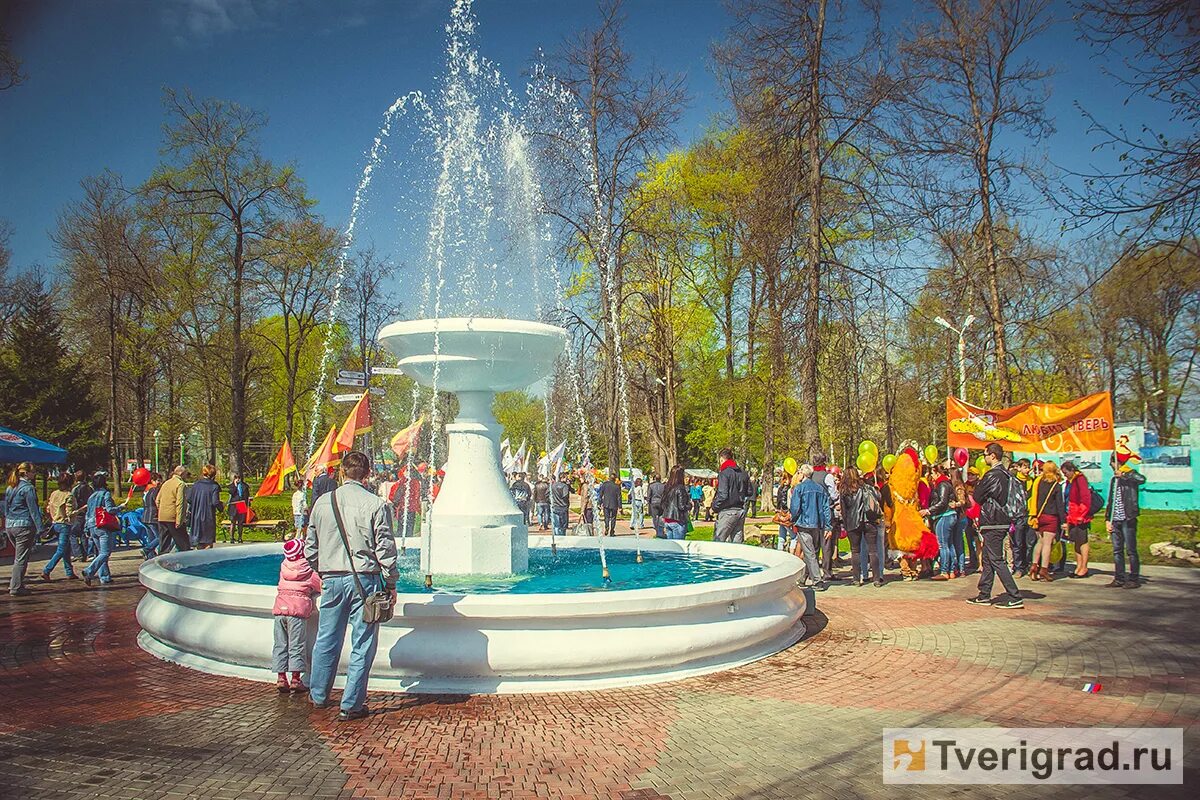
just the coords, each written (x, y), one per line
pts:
(369, 542)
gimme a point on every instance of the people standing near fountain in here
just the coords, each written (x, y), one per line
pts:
(171, 518)
(325, 482)
(809, 507)
(406, 497)
(299, 508)
(729, 502)
(22, 521)
(587, 506)
(239, 507)
(541, 499)
(637, 505)
(610, 502)
(696, 495)
(560, 504)
(521, 494)
(676, 502)
(654, 499)
(349, 545)
(298, 585)
(204, 503)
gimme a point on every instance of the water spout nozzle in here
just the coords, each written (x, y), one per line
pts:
(428, 582)
(604, 574)
(639, 557)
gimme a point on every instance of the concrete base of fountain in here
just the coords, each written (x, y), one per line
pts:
(488, 550)
(499, 643)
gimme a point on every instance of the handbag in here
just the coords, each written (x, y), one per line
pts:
(106, 520)
(782, 518)
(377, 606)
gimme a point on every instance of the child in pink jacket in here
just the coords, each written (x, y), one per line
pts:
(298, 584)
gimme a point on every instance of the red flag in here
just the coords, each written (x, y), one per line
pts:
(406, 440)
(324, 457)
(283, 465)
(359, 422)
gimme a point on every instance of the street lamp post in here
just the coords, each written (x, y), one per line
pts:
(962, 351)
(181, 449)
(157, 433)
(1146, 408)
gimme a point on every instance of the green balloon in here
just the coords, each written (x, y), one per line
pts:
(889, 461)
(867, 446)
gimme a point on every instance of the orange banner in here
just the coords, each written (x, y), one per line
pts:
(1082, 425)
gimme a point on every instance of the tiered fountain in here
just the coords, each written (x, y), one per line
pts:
(507, 613)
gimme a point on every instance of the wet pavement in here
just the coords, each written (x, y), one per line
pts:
(86, 713)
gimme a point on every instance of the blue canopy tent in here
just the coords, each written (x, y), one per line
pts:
(17, 447)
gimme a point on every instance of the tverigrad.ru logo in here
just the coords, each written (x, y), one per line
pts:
(1033, 755)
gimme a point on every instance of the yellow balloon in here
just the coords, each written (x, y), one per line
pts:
(789, 465)
(867, 446)
(866, 461)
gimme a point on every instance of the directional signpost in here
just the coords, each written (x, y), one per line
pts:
(350, 374)
(386, 371)
(358, 382)
(347, 398)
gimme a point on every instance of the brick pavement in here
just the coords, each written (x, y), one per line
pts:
(85, 713)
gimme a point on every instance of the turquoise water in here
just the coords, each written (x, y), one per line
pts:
(569, 571)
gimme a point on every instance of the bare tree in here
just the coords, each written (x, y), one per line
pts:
(618, 120)
(219, 173)
(1158, 184)
(969, 84)
(10, 65)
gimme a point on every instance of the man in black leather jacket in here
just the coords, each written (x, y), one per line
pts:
(994, 524)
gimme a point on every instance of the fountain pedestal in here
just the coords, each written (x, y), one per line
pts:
(475, 527)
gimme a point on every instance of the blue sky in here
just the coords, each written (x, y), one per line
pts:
(324, 72)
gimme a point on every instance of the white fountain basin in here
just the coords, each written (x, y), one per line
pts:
(499, 643)
(474, 353)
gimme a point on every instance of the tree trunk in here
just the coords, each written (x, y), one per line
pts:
(237, 368)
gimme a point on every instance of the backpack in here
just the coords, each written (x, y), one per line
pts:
(1096, 504)
(1016, 505)
(871, 508)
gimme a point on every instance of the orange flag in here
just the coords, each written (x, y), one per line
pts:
(324, 457)
(406, 440)
(359, 422)
(283, 465)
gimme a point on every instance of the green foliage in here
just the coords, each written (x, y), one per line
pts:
(52, 386)
(524, 420)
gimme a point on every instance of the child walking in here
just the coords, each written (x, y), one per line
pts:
(298, 584)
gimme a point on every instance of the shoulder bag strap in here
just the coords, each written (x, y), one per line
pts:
(337, 517)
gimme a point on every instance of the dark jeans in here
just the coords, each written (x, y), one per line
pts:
(1124, 540)
(660, 531)
(827, 547)
(867, 535)
(561, 517)
(695, 509)
(1022, 541)
(610, 521)
(993, 564)
(172, 536)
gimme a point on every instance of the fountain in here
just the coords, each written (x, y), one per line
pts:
(476, 528)
(508, 611)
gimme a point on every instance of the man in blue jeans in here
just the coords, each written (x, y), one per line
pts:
(366, 523)
(1120, 519)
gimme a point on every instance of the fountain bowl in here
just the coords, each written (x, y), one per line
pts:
(474, 353)
(499, 642)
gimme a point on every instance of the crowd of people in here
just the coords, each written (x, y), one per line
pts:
(1004, 523)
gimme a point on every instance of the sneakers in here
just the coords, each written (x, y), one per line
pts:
(20, 591)
(1008, 602)
(353, 714)
(820, 586)
(980, 600)
(1132, 583)
(1115, 583)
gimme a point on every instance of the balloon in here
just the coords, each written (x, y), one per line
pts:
(888, 461)
(931, 454)
(140, 477)
(980, 465)
(961, 456)
(790, 466)
(867, 446)
(865, 462)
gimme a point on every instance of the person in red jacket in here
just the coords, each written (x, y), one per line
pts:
(1079, 516)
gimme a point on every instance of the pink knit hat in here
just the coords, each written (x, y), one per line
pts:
(293, 549)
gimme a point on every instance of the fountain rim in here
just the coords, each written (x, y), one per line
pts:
(780, 568)
(440, 325)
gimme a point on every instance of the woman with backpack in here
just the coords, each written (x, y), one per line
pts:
(1081, 506)
(1046, 516)
(861, 510)
(943, 515)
